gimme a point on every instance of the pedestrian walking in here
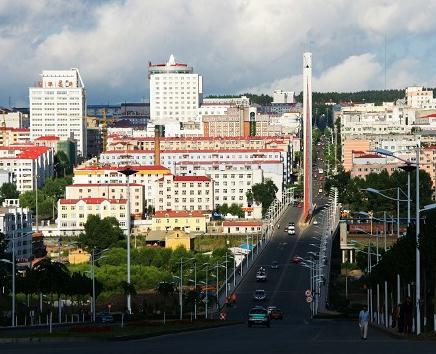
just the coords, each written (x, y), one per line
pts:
(408, 315)
(363, 322)
(396, 316)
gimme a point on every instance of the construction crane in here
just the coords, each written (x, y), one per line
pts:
(103, 122)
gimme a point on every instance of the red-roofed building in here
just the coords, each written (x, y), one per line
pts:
(184, 193)
(25, 162)
(242, 226)
(188, 221)
(108, 174)
(73, 213)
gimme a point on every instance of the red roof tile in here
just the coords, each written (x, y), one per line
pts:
(242, 223)
(32, 152)
(48, 137)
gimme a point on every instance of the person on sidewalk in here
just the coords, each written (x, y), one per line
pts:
(408, 315)
(363, 322)
(396, 316)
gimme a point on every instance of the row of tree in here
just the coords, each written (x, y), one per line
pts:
(353, 196)
(401, 259)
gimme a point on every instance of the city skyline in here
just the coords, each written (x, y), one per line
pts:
(237, 46)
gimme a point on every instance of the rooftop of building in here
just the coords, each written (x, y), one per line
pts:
(92, 201)
(206, 138)
(48, 137)
(119, 168)
(24, 151)
(189, 179)
(179, 214)
(104, 185)
(184, 151)
(243, 223)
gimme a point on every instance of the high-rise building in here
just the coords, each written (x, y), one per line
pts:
(58, 107)
(175, 94)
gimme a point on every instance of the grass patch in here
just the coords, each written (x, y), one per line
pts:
(133, 330)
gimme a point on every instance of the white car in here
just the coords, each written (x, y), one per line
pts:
(315, 222)
(259, 295)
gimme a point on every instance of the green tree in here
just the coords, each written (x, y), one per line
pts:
(236, 210)
(100, 233)
(264, 193)
(63, 166)
(8, 191)
(55, 187)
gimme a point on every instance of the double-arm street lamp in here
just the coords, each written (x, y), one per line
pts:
(128, 172)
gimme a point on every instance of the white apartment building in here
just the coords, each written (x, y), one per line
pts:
(58, 107)
(184, 193)
(224, 173)
(281, 97)
(175, 93)
(370, 119)
(110, 191)
(16, 225)
(73, 213)
(108, 174)
(417, 97)
(30, 165)
(231, 186)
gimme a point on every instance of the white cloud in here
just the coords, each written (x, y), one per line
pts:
(234, 43)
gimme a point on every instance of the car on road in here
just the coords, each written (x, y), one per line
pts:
(315, 222)
(259, 295)
(261, 274)
(258, 315)
(291, 231)
(296, 259)
(104, 317)
(276, 314)
(299, 205)
(275, 265)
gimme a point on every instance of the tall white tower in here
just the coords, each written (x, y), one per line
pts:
(307, 131)
(58, 107)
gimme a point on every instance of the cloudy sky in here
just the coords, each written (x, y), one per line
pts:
(237, 45)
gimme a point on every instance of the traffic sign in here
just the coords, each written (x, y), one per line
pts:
(308, 292)
(309, 299)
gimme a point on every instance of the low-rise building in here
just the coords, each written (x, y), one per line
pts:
(242, 226)
(16, 225)
(73, 213)
(78, 256)
(184, 193)
(428, 164)
(110, 191)
(11, 136)
(188, 221)
(179, 238)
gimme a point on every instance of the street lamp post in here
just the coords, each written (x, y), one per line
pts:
(13, 324)
(128, 172)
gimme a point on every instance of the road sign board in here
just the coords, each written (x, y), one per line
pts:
(308, 293)
(309, 299)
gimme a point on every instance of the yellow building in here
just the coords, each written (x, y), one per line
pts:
(177, 238)
(188, 221)
(78, 256)
(73, 213)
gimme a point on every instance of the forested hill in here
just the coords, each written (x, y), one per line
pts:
(320, 98)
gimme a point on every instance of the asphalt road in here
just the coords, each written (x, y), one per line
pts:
(296, 333)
